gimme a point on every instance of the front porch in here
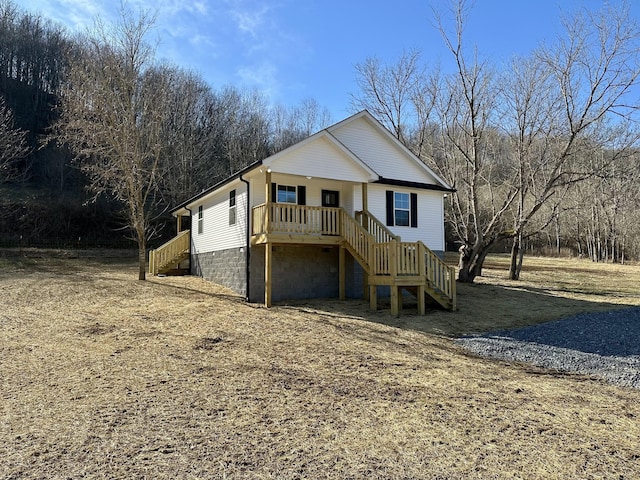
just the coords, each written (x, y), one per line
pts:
(383, 257)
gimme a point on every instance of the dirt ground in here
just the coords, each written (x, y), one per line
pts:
(104, 376)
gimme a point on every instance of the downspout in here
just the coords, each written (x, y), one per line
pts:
(190, 239)
(248, 234)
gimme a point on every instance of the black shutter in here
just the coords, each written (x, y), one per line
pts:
(302, 195)
(390, 216)
(414, 210)
(274, 192)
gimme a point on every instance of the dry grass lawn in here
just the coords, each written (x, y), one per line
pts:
(103, 376)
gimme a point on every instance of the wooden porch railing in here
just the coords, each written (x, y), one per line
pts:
(298, 219)
(169, 252)
(398, 258)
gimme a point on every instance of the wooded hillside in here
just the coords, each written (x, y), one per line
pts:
(46, 199)
(539, 165)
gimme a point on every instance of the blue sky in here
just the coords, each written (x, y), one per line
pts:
(296, 49)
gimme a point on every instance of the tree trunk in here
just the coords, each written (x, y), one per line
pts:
(142, 256)
(517, 254)
(471, 262)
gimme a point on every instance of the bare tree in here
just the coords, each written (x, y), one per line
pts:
(13, 145)
(291, 125)
(513, 142)
(568, 101)
(467, 113)
(387, 91)
(192, 157)
(112, 117)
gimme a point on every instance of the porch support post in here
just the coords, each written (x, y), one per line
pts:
(342, 272)
(366, 291)
(395, 310)
(421, 303)
(268, 259)
(179, 223)
(373, 297)
(267, 202)
(365, 198)
(365, 285)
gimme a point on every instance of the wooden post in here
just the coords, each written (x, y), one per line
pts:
(395, 310)
(267, 202)
(422, 268)
(393, 258)
(365, 285)
(365, 201)
(421, 303)
(373, 297)
(422, 271)
(179, 223)
(268, 248)
(452, 279)
(268, 259)
(366, 292)
(342, 272)
(393, 271)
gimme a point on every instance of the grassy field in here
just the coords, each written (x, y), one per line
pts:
(103, 376)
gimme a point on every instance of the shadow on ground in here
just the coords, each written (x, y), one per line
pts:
(482, 308)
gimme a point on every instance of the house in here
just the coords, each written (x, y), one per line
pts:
(347, 212)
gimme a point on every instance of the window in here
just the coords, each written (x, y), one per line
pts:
(200, 220)
(286, 194)
(401, 209)
(232, 207)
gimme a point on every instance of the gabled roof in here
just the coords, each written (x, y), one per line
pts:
(330, 135)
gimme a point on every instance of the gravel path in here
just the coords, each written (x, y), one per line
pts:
(605, 345)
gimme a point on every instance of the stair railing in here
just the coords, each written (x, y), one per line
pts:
(375, 227)
(168, 252)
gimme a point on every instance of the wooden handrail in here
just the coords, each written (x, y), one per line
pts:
(375, 227)
(361, 241)
(169, 251)
(440, 276)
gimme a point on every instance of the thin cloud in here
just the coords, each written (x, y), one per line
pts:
(263, 75)
(250, 21)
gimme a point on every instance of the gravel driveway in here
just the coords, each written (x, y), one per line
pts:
(605, 345)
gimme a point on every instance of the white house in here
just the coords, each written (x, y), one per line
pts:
(338, 214)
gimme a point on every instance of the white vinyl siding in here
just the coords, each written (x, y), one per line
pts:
(320, 159)
(218, 233)
(430, 228)
(386, 158)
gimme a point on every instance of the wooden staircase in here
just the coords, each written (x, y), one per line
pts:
(388, 261)
(169, 256)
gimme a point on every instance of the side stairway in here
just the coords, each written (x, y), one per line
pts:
(388, 261)
(168, 257)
